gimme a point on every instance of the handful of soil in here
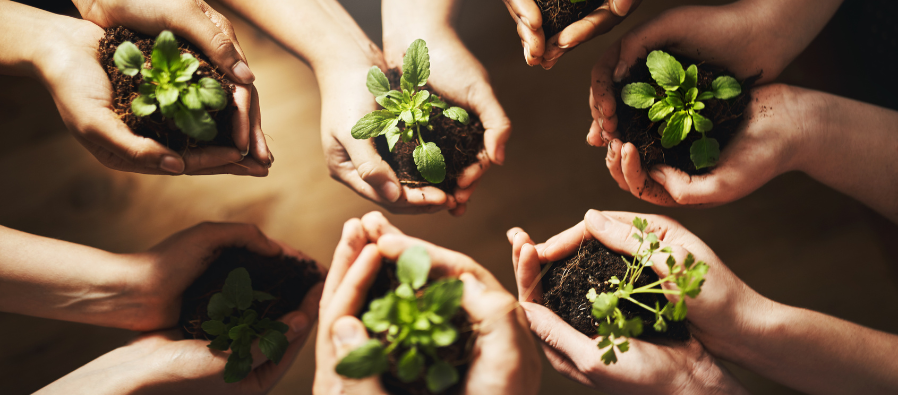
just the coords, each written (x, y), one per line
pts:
(559, 14)
(286, 278)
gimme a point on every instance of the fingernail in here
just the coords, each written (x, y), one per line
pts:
(298, 323)
(473, 287)
(172, 164)
(346, 333)
(270, 159)
(658, 176)
(602, 124)
(540, 248)
(568, 45)
(527, 53)
(526, 22)
(597, 220)
(619, 71)
(243, 73)
(245, 152)
(621, 10)
(391, 191)
(500, 154)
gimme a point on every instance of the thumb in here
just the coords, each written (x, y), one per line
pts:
(657, 33)
(686, 189)
(348, 333)
(137, 153)
(213, 34)
(372, 169)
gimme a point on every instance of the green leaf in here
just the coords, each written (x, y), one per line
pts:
(218, 308)
(279, 326)
(666, 70)
(249, 317)
(237, 368)
(430, 162)
(660, 110)
(191, 98)
(441, 376)
(377, 83)
(273, 344)
(166, 94)
(638, 95)
(691, 80)
(415, 65)
(604, 305)
(410, 365)
(420, 98)
(457, 114)
(196, 124)
(405, 291)
(705, 96)
(675, 102)
(220, 343)
(368, 360)
(188, 66)
(640, 223)
(374, 124)
(443, 335)
(237, 331)
(605, 342)
(214, 327)
(609, 357)
(381, 313)
(691, 95)
(260, 296)
(238, 288)
(166, 55)
(698, 106)
(678, 126)
(725, 87)
(632, 327)
(408, 117)
(679, 311)
(212, 94)
(704, 152)
(701, 123)
(660, 325)
(436, 102)
(591, 295)
(443, 297)
(413, 266)
(128, 58)
(170, 110)
(393, 136)
(143, 105)
(389, 103)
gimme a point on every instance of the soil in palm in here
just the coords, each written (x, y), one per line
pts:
(559, 14)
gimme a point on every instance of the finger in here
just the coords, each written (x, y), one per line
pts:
(631, 166)
(623, 7)
(528, 19)
(613, 162)
(473, 172)
(602, 85)
(350, 295)
(376, 225)
(527, 274)
(594, 137)
(246, 167)
(595, 23)
(212, 33)
(533, 44)
(444, 262)
(258, 144)
(243, 98)
(565, 366)
(347, 334)
(517, 238)
(372, 169)
(422, 196)
(352, 240)
(553, 53)
(107, 131)
(557, 334)
(459, 210)
(685, 189)
(209, 157)
(492, 309)
(207, 237)
(462, 196)
(496, 124)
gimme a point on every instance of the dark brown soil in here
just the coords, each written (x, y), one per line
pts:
(635, 127)
(459, 144)
(458, 354)
(559, 14)
(155, 126)
(286, 278)
(567, 282)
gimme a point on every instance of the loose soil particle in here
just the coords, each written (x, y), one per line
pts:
(286, 278)
(457, 354)
(568, 281)
(635, 127)
(458, 143)
(559, 14)
(155, 126)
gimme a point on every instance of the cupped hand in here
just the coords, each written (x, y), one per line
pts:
(545, 51)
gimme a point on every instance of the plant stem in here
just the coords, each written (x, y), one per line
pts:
(399, 339)
(657, 291)
(652, 285)
(640, 304)
(418, 131)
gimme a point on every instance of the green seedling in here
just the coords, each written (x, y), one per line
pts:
(413, 106)
(615, 329)
(235, 325)
(167, 81)
(678, 107)
(416, 323)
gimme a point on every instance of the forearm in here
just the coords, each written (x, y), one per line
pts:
(407, 20)
(789, 25)
(20, 37)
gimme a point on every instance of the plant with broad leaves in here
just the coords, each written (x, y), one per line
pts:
(614, 328)
(412, 106)
(167, 81)
(235, 325)
(678, 107)
(416, 322)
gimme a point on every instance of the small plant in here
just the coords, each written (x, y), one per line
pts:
(169, 80)
(614, 328)
(415, 325)
(412, 106)
(680, 104)
(236, 325)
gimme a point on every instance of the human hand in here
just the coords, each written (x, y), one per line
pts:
(725, 310)
(539, 51)
(505, 359)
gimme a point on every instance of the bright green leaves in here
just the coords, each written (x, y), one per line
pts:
(377, 82)
(211, 94)
(415, 66)
(725, 87)
(235, 325)
(430, 163)
(128, 58)
(604, 305)
(666, 70)
(457, 114)
(701, 123)
(678, 126)
(196, 124)
(416, 325)
(661, 110)
(691, 80)
(639, 95)
(143, 105)
(374, 124)
(704, 152)
(165, 54)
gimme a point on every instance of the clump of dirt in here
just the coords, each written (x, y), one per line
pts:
(286, 278)
(155, 126)
(559, 14)
(635, 126)
(568, 281)
(458, 143)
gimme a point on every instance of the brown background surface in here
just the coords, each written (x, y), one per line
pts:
(793, 240)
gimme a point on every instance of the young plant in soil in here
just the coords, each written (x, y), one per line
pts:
(414, 107)
(559, 14)
(679, 104)
(615, 329)
(415, 322)
(166, 81)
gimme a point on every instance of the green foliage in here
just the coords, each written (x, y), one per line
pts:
(615, 329)
(235, 325)
(416, 324)
(169, 80)
(678, 107)
(413, 107)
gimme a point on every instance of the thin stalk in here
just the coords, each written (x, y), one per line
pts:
(640, 304)
(652, 285)
(658, 291)
(399, 339)
(418, 131)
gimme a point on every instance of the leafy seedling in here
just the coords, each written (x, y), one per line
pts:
(413, 106)
(615, 329)
(167, 81)
(235, 325)
(678, 107)
(415, 326)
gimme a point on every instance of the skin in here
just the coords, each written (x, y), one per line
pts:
(505, 357)
(61, 52)
(546, 51)
(728, 320)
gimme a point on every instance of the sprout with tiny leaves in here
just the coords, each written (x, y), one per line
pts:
(167, 86)
(680, 104)
(415, 326)
(235, 325)
(614, 328)
(413, 106)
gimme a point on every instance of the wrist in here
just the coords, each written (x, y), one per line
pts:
(710, 377)
(812, 129)
(405, 21)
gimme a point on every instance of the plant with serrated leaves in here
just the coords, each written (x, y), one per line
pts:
(412, 106)
(416, 322)
(167, 81)
(678, 107)
(614, 328)
(236, 325)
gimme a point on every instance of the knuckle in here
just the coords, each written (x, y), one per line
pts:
(367, 170)
(222, 43)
